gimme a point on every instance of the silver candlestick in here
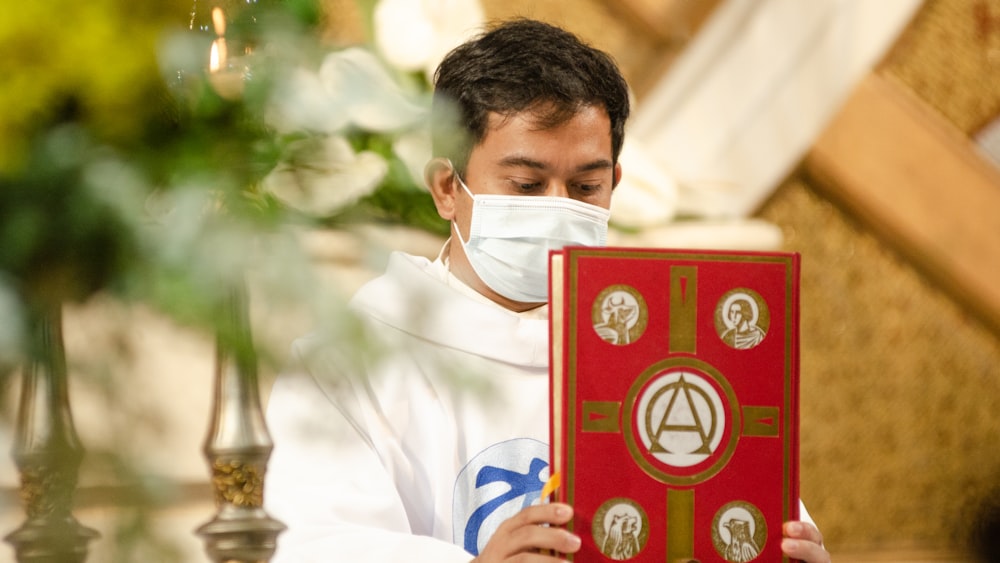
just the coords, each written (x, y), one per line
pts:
(237, 448)
(48, 453)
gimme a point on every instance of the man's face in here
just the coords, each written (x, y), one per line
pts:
(517, 157)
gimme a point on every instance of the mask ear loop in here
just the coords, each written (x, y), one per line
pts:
(466, 189)
(441, 254)
(461, 182)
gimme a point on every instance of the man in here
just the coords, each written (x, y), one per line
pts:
(429, 443)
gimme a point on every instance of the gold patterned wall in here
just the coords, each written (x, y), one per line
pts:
(901, 386)
(950, 58)
(900, 389)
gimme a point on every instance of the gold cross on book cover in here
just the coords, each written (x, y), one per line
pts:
(674, 383)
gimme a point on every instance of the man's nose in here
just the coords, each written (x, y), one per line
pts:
(557, 189)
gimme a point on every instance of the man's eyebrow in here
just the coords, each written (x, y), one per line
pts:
(517, 160)
(600, 164)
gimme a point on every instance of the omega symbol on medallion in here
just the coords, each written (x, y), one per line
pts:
(684, 421)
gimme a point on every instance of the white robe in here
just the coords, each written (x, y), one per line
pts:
(380, 462)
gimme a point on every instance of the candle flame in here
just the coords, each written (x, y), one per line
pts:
(217, 55)
(219, 21)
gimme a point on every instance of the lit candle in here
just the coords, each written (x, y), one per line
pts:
(225, 76)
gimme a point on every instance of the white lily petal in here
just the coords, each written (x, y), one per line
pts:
(332, 178)
(285, 183)
(337, 151)
(390, 113)
(346, 183)
(455, 22)
(414, 149)
(302, 103)
(358, 80)
(347, 75)
(404, 33)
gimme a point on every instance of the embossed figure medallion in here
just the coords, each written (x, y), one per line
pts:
(619, 314)
(739, 532)
(742, 318)
(620, 529)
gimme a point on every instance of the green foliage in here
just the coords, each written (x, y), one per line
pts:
(398, 199)
(61, 241)
(126, 168)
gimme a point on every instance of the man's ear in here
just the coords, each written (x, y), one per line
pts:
(439, 176)
(617, 175)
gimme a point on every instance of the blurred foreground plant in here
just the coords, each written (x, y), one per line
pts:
(159, 151)
(160, 154)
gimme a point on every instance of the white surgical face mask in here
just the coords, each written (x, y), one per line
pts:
(510, 238)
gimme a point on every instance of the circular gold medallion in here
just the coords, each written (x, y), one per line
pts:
(684, 421)
(619, 314)
(742, 318)
(739, 532)
(620, 529)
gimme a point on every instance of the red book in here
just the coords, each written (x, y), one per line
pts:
(674, 381)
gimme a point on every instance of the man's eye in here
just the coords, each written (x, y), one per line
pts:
(527, 187)
(588, 189)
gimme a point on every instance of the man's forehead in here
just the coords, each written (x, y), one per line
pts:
(540, 116)
(498, 121)
(580, 143)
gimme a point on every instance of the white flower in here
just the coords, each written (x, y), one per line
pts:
(302, 103)
(647, 194)
(358, 82)
(327, 178)
(414, 149)
(351, 87)
(416, 34)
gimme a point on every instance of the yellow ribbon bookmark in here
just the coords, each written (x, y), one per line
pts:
(551, 485)
(548, 488)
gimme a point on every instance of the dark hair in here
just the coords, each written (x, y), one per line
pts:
(522, 65)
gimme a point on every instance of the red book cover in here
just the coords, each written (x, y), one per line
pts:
(674, 381)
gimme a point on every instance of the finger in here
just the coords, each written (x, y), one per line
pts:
(803, 531)
(536, 558)
(544, 539)
(805, 550)
(531, 530)
(555, 513)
